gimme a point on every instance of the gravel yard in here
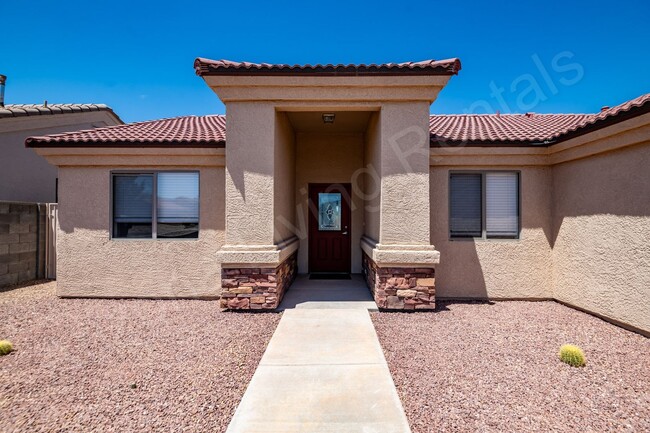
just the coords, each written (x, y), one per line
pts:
(494, 368)
(85, 365)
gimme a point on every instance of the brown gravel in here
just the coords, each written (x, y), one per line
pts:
(76, 361)
(494, 368)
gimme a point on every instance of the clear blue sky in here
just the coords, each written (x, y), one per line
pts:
(137, 56)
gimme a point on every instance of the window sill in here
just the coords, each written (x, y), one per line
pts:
(480, 239)
(154, 240)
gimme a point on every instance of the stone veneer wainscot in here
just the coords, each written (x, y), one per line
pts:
(400, 288)
(257, 288)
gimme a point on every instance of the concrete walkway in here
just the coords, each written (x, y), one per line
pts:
(323, 371)
(339, 294)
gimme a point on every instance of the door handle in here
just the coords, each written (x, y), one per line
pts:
(344, 233)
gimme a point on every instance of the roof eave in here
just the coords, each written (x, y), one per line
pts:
(39, 142)
(602, 123)
(207, 67)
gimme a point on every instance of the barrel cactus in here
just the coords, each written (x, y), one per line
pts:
(5, 347)
(572, 355)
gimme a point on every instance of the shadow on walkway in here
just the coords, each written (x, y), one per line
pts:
(328, 294)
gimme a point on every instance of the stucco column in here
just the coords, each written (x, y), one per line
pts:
(250, 186)
(249, 174)
(404, 237)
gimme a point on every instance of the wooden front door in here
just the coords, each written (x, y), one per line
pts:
(329, 227)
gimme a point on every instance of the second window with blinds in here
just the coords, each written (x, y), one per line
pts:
(484, 205)
(157, 205)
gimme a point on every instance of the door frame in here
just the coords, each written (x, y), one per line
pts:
(312, 221)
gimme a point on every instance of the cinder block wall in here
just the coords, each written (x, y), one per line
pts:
(22, 242)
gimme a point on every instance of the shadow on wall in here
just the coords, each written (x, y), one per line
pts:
(601, 235)
(616, 184)
(461, 261)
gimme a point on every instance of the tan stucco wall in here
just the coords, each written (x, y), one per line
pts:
(495, 268)
(601, 234)
(284, 185)
(329, 158)
(26, 176)
(249, 174)
(404, 174)
(91, 264)
(372, 177)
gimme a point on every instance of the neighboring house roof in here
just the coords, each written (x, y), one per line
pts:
(446, 130)
(187, 131)
(22, 110)
(205, 67)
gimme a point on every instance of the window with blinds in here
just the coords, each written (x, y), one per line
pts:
(484, 205)
(132, 206)
(465, 201)
(156, 205)
(178, 205)
(501, 205)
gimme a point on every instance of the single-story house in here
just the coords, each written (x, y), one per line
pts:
(25, 176)
(341, 169)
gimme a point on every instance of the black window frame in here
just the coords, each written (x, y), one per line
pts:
(154, 204)
(484, 235)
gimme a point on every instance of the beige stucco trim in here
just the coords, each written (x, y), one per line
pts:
(334, 94)
(634, 123)
(254, 256)
(302, 106)
(489, 156)
(407, 256)
(133, 157)
(322, 89)
(386, 81)
(601, 142)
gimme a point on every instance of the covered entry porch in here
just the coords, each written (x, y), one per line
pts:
(327, 172)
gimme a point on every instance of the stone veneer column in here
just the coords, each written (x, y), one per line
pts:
(400, 288)
(256, 288)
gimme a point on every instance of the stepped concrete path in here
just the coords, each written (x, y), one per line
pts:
(323, 371)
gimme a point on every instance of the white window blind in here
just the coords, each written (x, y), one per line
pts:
(502, 204)
(465, 203)
(133, 197)
(178, 198)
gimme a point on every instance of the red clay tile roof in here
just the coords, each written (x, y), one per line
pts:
(634, 107)
(505, 127)
(188, 131)
(206, 67)
(22, 110)
(527, 129)
(445, 130)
